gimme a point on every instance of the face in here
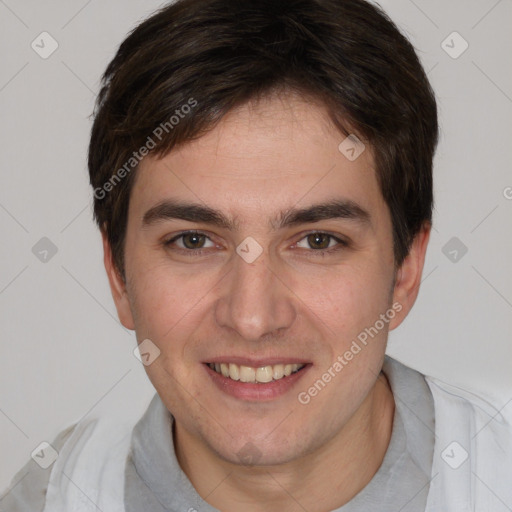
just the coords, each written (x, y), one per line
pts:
(262, 248)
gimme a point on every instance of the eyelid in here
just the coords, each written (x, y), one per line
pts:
(169, 241)
(341, 242)
(322, 232)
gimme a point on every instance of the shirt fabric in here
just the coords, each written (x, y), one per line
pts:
(154, 481)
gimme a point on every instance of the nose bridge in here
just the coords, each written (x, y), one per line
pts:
(255, 302)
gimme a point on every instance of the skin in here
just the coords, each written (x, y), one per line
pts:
(261, 159)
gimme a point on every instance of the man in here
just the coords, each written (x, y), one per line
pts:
(262, 175)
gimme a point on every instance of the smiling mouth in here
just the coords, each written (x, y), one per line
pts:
(260, 375)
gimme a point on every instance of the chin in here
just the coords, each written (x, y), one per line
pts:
(264, 448)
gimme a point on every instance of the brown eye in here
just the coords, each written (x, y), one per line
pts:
(319, 240)
(193, 240)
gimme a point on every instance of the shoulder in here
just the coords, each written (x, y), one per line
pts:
(479, 407)
(473, 453)
(482, 425)
(27, 490)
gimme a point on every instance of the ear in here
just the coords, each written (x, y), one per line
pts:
(117, 286)
(408, 278)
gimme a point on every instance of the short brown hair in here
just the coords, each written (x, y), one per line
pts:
(220, 54)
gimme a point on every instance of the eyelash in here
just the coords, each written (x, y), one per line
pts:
(342, 244)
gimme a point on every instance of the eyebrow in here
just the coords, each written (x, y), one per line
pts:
(192, 212)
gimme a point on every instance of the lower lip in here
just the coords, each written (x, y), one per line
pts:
(256, 392)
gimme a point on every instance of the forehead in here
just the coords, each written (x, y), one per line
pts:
(261, 157)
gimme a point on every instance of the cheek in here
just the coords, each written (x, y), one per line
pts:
(161, 294)
(169, 306)
(346, 299)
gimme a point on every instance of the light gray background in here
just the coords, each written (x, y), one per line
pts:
(62, 347)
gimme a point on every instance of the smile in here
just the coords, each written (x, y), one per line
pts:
(263, 374)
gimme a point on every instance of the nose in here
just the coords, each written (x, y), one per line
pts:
(255, 300)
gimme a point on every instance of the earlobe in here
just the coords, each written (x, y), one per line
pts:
(117, 286)
(408, 278)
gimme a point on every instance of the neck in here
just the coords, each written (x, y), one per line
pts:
(323, 480)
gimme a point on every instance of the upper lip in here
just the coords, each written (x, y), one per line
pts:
(257, 362)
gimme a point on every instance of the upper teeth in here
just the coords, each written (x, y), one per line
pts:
(249, 374)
